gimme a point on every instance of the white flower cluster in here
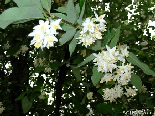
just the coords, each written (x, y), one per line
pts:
(113, 64)
(44, 34)
(1, 108)
(92, 30)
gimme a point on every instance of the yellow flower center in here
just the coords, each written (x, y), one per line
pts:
(55, 27)
(37, 36)
(101, 66)
(50, 39)
(130, 67)
(114, 79)
(89, 26)
(42, 27)
(100, 17)
(127, 55)
(37, 45)
(90, 42)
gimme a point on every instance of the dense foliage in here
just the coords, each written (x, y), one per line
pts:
(92, 63)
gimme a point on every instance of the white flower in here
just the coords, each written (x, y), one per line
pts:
(43, 26)
(86, 40)
(1, 110)
(99, 18)
(44, 34)
(6, 46)
(88, 25)
(130, 92)
(113, 93)
(48, 69)
(90, 112)
(49, 41)
(54, 26)
(90, 95)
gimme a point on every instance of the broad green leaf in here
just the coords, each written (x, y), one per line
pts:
(73, 43)
(136, 81)
(104, 108)
(67, 27)
(26, 105)
(117, 108)
(40, 81)
(115, 38)
(134, 60)
(76, 72)
(71, 12)
(80, 108)
(95, 78)
(7, 1)
(88, 59)
(77, 7)
(143, 97)
(96, 46)
(129, 26)
(38, 69)
(79, 21)
(60, 15)
(29, 3)
(67, 36)
(149, 103)
(108, 37)
(21, 96)
(55, 65)
(15, 14)
(62, 10)
(46, 4)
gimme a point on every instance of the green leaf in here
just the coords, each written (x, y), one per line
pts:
(104, 108)
(79, 21)
(76, 72)
(29, 3)
(115, 38)
(46, 4)
(108, 37)
(96, 46)
(71, 12)
(21, 96)
(15, 14)
(117, 108)
(38, 69)
(7, 1)
(67, 36)
(143, 97)
(134, 60)
(136, 81)
(60, 15)
(77, 7)
(67, 27)
(62, 10)
(40, 81)
(149, 103)
(55, 65)
(88, 59)
(73, 43)
(26, 105)
(95, 78)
